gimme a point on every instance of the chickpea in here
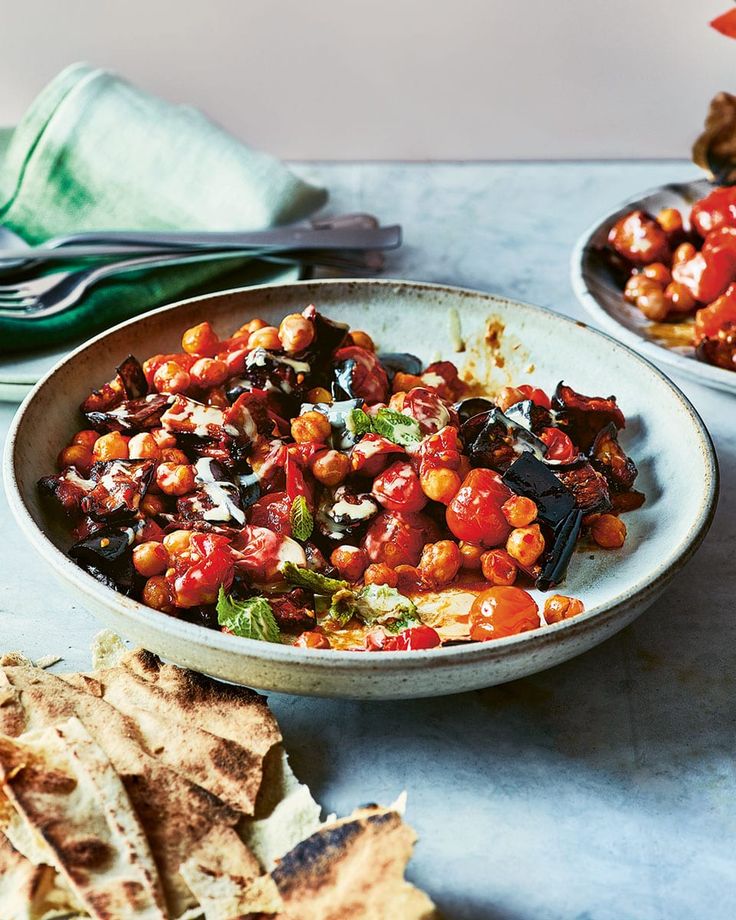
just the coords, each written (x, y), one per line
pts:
(440, 562)
(403, 382)
(75, 455)
(163, 437)
(608, 531)
(208, 372)
(653, 305)
(312, 426)
(151, 505)
(177, 542)
(330, 467)
(380, 574)
(296, 333)
(498, 567)
(157, 594)
(319, 395)
(143, 446)
(559, 607)
(657, 272)
(637, 285)
(201, 340)
(247, 329)
(409, 578)
(440, 485)
(267, 337)
(470, 555)
(112, 446)
(86, 438)
(174, 455)
(362, 340)
(670, 220)
(678, 297)
(171, 378)
(684, 252)
(508, 397)
(525, 544)
(519, 511)
(175, 478)
(350, 562)
(150, 559)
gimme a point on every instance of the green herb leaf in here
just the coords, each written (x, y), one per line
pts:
(312, 581)
(358, 422)
(380, 604)
(342, 607)
(251, 618)
(302, 522)
(397, 427)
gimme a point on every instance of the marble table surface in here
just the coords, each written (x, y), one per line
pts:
(603, 789)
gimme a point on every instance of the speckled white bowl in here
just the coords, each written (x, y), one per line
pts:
(678, 472)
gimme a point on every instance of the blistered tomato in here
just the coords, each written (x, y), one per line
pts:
(712, 318)
(707, 274)
(639, 238)
(369, 380)
(200, 583)
(502, 611)
(397, 488)
(272, 511)
(559, 445)
(416, 637)
(714, 211)
(537, 396)
(398, 538)
(259, 553)
(475, 514)
(427, 408)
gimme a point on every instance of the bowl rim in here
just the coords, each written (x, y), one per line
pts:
(707, 374)
(400, 661)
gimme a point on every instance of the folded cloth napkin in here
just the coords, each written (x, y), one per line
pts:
(94, 152)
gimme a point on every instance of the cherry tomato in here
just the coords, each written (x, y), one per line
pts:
(475, 514)
(559, 445)
(718, 209)
(502, 611)
(259, 553)
(272, 511)
(710, 319)
(398, 538)
(639, 238)
(416, 637)
(200, 583)
(397, 488)
(441, 449)
(725, 24)
(722, 238)
(427, 408)
(537, 396)
(369, 456)
(369, 380)
(707, 274)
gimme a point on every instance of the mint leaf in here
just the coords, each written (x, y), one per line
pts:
(358, 422)
(379, 604)
(302, 522)
(397, 427)
(252, 618)
(312, 581)
(342, 608)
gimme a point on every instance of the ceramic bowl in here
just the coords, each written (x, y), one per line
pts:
(601, 293)
(678, 473)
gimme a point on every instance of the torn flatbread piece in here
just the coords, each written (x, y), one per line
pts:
(30, 892)
(66, 790)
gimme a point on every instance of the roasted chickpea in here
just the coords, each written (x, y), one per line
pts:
(151, 505)
(163, 437)
(217, 397)
(296, 333)
(312, 426)
(409, 578)
(559, 607)
(519, 511)
(670, 220)
(657, 272)
(403, 382)
(267, 337)
(208, 372)
(498, 567)
(311, 639)
(470, 555)
(171, 378)
(350, 562)
(684, 252)
(525, 544)
(679, 299)
(330, 467)
(201, 340)
(637, 285)
(362, 339)
(319, 395)
(440, 562)
(440, 485)
(608, 531)
(143, 446)
(653, 304)
(86, 438)
(150, 559)
(380, 574)
(508, 397)
(174, 455)
(75, 455)
(247, 329)
(157, 594)
(178, 542)
(175, 478)
(112, 446)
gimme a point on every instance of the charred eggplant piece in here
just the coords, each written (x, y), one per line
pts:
(132, 378)
(609, 458)
(342, 380)
(530, 416)
(249, 416)
(270, 371)
(469, 408)
(217, 499)
(396, 362)
(588, 486)
(108, 556)
(555, 565)
(131, 414)
(583, 417)
(492, 440)
(119, 487)
(328, 337)
(529, 477)
(68, 489)
(720, 349)
(249, 485)
(294, 610)
(345, 513)
(129, 382)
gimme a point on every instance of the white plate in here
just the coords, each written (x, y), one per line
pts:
(678, 473)
(602, 297)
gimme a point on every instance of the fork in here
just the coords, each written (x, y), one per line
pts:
(38, 298)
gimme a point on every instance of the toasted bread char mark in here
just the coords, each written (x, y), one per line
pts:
(29, 891)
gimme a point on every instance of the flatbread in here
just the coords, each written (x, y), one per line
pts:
(65, 789)
(29, 892)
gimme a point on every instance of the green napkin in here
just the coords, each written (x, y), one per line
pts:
(94, 152)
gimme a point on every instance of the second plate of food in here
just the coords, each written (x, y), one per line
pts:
(599, 279)
(477, 528)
